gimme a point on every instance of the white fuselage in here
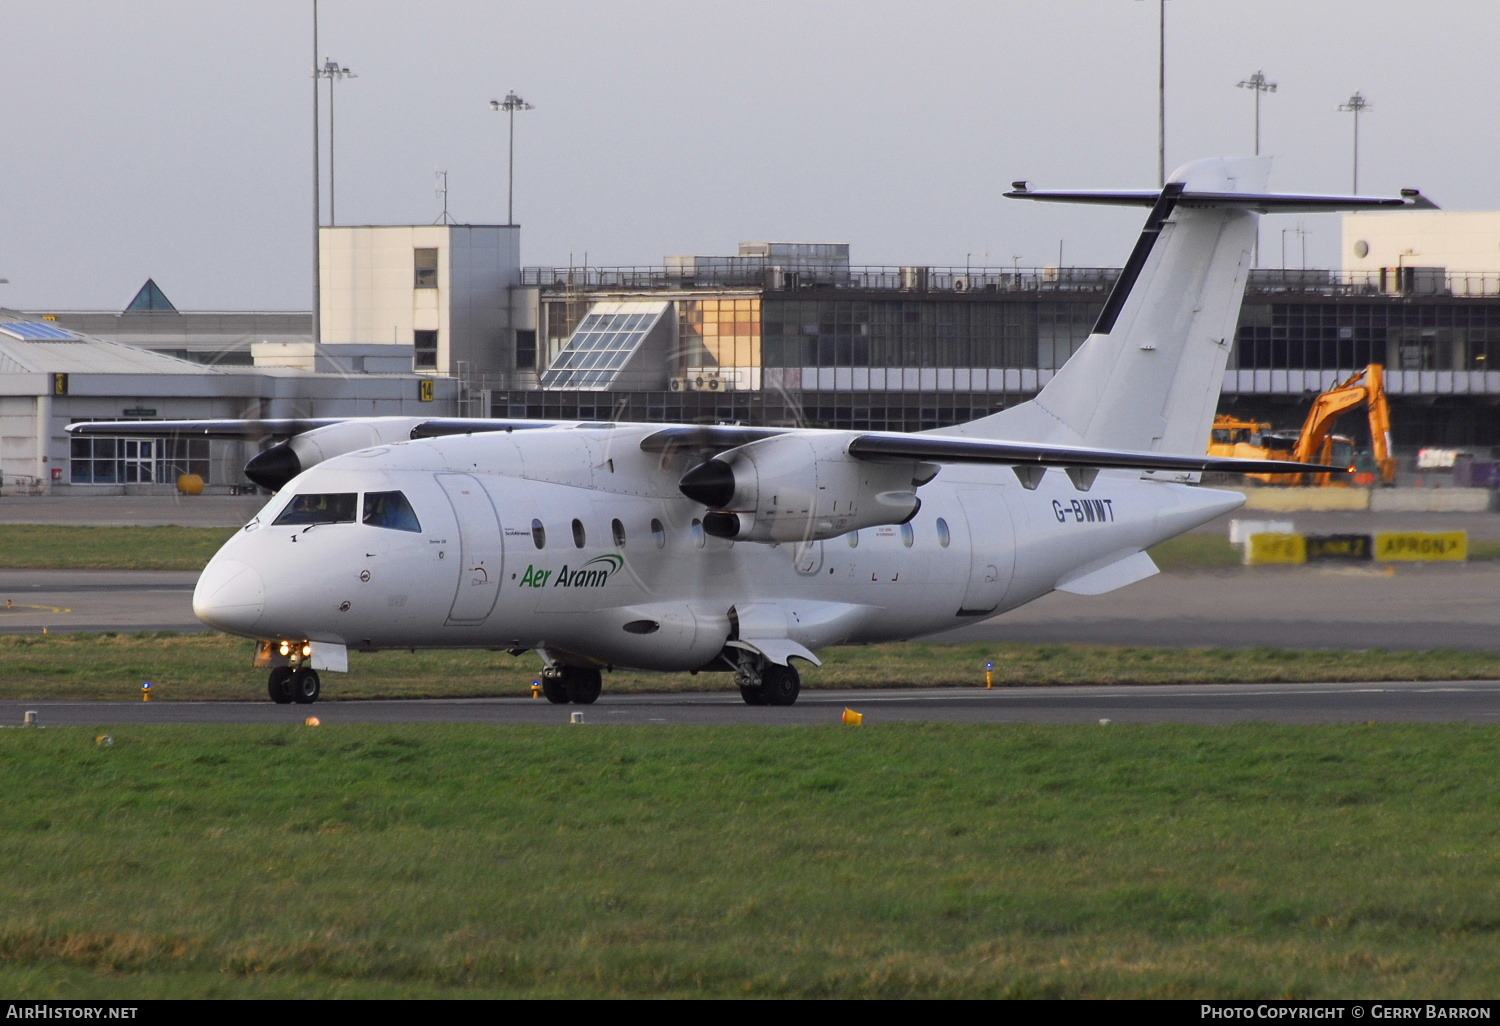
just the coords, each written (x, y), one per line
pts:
(620, 572)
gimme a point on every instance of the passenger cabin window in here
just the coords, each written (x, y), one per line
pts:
(579, 538)
(319, 508)
(907, 535)
(390, 510)
(619, 533)
(853, 539)
(658, 533)
(944, 535)
(538, 534)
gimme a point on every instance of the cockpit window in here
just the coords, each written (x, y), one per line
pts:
(320, 508)
(392, 510)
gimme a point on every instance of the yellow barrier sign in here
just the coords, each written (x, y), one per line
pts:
(1410, 546)
(1272, 547)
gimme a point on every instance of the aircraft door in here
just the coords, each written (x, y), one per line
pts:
(992, 551)
(808, 558)
(481, 555)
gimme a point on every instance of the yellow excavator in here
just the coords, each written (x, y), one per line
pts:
(1316, 442)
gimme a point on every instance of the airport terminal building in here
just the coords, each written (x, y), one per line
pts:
(795, 333)
(791, 334)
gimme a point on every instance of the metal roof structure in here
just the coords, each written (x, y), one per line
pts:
(37, 331)
(33, 347)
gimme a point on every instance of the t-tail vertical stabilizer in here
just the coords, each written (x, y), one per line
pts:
(1148, 376)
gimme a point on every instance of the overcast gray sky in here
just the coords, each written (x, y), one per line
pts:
(172, 139)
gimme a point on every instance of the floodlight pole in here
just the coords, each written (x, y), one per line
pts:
(317, 213)
(1354, 106)
(1161, 93)
(510, 105)
(1257, 82)
(332, 71)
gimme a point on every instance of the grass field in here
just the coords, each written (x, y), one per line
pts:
(894, 861)
(929, 861)
(52, 547)
(44, 546)
(208, 667)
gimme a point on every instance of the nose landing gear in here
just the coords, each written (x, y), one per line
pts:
(299, 684)
(296, 682)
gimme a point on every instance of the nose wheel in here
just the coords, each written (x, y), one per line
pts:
(564, 684)
(300, 685)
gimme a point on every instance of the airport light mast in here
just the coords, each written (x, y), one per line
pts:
(1356, 104)
(332, 71)
(1161, 93)
(510, 105)
(1259, 84)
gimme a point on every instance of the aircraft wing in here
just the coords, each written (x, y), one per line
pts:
(712, 440)
(972, 450)
(256, 429)
(706, 439)
(285, 427)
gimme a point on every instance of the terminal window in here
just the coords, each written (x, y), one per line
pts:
(425, 273)
(110, 461)
(425, 346)
(526, 349)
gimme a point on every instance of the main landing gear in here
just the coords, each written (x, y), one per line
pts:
(766, 683)
(564, 684)
(299, 684)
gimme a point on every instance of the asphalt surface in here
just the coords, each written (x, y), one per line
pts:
(1447, 702)
(1398, 606)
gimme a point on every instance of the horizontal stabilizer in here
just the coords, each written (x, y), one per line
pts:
(1261, 203)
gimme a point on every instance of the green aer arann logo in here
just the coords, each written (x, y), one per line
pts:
(593, 574)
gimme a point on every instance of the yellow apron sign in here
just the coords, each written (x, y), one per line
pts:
(1272, 547)
(1421, 545)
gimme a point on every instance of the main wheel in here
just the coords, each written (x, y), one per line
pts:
(305, 686)
(280, 685)
(779, 685)
(555, 689)
(752, 694)
(583, 685)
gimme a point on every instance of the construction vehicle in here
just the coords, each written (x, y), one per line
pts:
(1316, 442)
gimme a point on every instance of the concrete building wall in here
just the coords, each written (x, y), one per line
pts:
(1461, 241)
(371, 294)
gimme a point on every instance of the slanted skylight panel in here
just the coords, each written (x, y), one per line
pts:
(602, 344)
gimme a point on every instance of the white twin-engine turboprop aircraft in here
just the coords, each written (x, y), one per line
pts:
(689, 548)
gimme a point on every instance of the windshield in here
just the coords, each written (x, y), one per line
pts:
(392, 510)
(320, 508)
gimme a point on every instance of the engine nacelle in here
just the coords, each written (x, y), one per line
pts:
(802, 487)
(280, 463)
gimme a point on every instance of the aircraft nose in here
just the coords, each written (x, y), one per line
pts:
(230, 596)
